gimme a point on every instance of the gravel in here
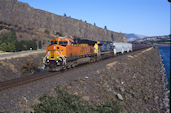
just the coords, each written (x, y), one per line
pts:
(136, 76)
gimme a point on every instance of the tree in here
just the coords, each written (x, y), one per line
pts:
(8, 37)
(65, 15)
(47, 31)
(59, 34)
(44, 41)
(11, 47)
(8, 47)
(3, 47)
(9, 43)
(105, 27)
(19, 46)
(32, 44)
(40, 44)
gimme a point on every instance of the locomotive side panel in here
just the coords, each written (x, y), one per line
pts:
(72, 51)
(106, 47)
(79, 49)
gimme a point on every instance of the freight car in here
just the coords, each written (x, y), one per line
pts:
(136, 46)
(120, 47)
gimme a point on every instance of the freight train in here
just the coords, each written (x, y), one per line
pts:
(65, 53)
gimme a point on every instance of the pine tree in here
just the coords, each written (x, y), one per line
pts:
(40, 45)
(105, 27)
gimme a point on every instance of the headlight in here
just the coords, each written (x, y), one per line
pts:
(48, 53)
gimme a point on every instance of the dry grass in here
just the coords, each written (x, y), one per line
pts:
(22, 55)
(2, 52)
(9, 65)
(29, 67)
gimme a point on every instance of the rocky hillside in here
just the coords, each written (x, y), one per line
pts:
(156, 40)
(132, 37)
(33, 23)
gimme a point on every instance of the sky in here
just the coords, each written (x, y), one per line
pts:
(145, 17)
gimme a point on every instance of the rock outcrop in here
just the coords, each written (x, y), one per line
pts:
(22, 15)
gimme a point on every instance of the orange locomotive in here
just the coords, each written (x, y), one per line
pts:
(64, 52)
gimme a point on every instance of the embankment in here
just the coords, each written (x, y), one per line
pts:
(136, 80)
(21, 64)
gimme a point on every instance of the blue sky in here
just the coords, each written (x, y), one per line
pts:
(145, 17)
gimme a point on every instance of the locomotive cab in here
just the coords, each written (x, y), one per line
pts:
(56, 52)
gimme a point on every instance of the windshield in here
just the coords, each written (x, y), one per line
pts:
(63, 43)
(53, 42)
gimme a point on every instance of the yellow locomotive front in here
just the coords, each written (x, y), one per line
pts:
(56, 54)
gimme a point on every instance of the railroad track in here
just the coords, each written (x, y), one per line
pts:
(24, 80)
(28, 79)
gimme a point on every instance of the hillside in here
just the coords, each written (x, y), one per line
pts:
(132, 37)
(156, 40)
(30, 23)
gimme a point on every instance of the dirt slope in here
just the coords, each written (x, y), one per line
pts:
(136, 80)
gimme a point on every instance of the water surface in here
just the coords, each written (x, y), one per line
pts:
(165, 53)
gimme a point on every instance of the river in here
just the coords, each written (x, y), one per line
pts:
(165, 53)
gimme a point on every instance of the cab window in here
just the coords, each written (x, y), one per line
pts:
(53, 42)
(63, 43)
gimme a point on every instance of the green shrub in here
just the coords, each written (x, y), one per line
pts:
(29, 67)
(9, 43)
(67, 103)
(8, 47)
(59, 34)
(44, 41)
(40, 45)
(47, 31)
(19, 27)
(26, 45)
